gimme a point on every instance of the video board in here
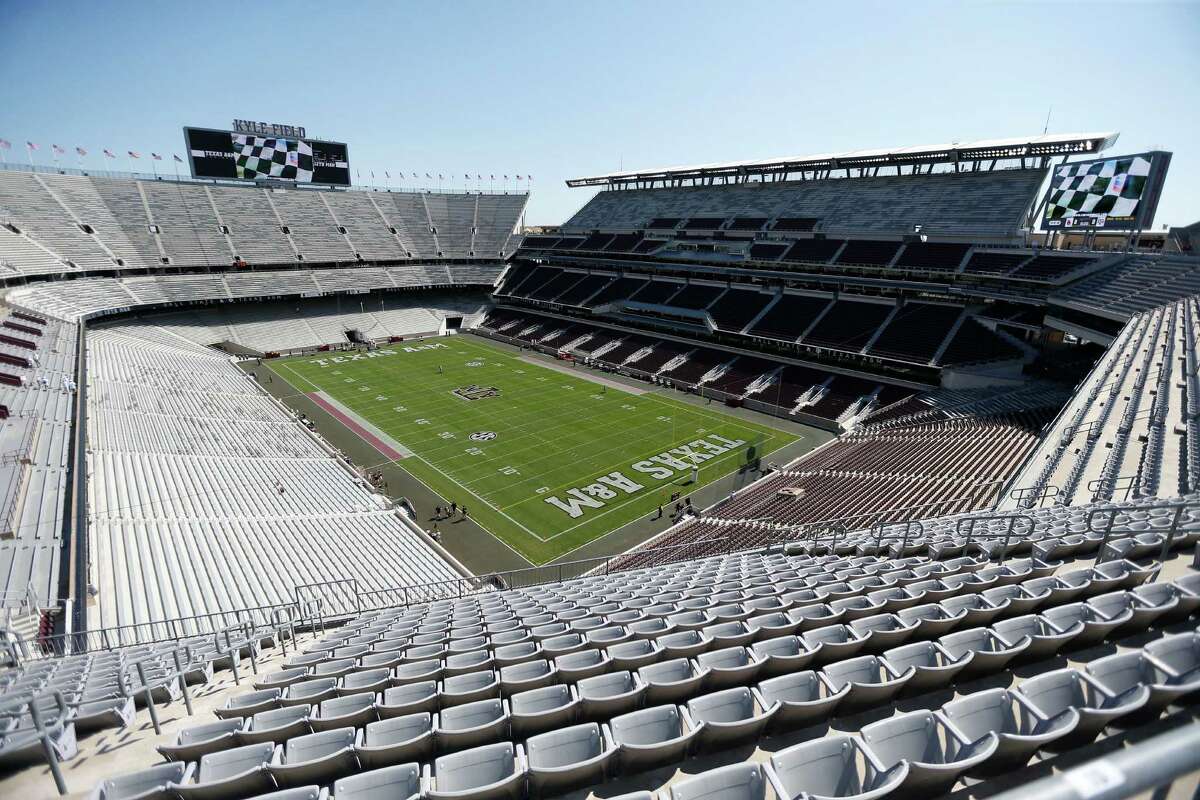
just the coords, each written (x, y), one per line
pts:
(232, 155)
(1118, 193)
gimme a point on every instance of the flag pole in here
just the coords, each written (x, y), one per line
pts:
(29, 152)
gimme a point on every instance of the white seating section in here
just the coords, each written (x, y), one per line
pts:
(75, 222)
(88, 296)
(306, 323)
(1131, 428)
(34, 447)
(206, 496)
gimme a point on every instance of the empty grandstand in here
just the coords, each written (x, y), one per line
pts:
(947, 550)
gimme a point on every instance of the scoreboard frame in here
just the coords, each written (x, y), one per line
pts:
(315, 143)
(1090, 222)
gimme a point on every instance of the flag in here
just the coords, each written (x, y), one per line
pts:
(439, 176)
(57, 150)
(81, 151)
(372, 174)
(493, 177)
(427, 176)
(156, 156)
(386, 175)
(132, 154)
(529, 177)
(177, 158)
(5, 144)
(478, 177)
(518, 177)
(30, 145)
(505, 177)
(109, 153)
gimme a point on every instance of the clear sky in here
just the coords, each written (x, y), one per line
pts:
(563, 89)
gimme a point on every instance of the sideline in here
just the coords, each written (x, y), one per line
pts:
(588, 375)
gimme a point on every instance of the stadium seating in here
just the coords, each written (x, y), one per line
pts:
(88, 296)
(75, 222)
(782, 683)
(1135, 284)
(900, 471)
(983, 204)
(35, 432)
(1129, 431)
(242, 498)
(947, 541)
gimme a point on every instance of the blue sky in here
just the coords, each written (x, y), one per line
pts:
(562, 89)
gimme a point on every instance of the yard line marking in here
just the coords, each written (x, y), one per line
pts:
(534, 425)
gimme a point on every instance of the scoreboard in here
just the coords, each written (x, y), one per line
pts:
(1118, 193)
(253, 156)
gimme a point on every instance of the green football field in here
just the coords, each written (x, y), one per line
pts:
(543, 458)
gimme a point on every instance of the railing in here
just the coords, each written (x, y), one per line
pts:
(173, 177)
(545, 575)
(1032, 496)
(320, 603)
(1127, 772)
(1107, 528)
(1109, 488)
(1017, 525)
(839, 527)
(149, 632)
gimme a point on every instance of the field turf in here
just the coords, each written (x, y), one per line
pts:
(556, 460)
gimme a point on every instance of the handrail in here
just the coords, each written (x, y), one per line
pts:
(1109, 515)
(848, 523)
(145, 632)
(1147, 764)
(1032, 496)
(1011, 519)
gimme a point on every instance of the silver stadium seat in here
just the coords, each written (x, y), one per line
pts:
(936, 755)
(397, 740)
(651, 737)
(399, 782)
(492, 772)
(228, 774)
(833, 767)
(568, 758)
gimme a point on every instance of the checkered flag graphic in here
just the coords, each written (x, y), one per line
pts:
(1111, 187)
(287, 159)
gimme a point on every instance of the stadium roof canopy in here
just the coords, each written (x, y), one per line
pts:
(1036, 147)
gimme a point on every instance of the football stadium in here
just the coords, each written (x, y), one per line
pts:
(869, 473)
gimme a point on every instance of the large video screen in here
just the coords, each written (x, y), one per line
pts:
(228, 155)
(1119, 193)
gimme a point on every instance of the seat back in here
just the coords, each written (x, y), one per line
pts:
(565, 746)
(471, 769)
(398, 729)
